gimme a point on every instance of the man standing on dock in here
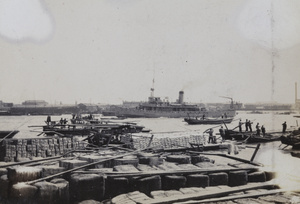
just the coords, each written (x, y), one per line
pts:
(211, 138)
(240, 125)
(246, 125)
(249, 125)
(48, 120)
(257, 130)
(284, 127)
(222, 133)
(263, 130)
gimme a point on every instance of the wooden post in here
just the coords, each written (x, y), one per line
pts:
(255, 151)
(150, 141)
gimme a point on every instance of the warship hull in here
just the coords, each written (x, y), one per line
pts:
(136, 113)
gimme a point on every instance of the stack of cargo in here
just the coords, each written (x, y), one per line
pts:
(142, 142)
(15, 149)
(119, 172)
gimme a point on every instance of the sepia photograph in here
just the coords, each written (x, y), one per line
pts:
(149, 102)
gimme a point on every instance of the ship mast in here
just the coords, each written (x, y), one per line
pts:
(152, 89)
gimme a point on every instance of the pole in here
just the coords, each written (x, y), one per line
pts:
(150, 141)
(255, 151)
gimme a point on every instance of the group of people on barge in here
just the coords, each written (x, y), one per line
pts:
(248, 127)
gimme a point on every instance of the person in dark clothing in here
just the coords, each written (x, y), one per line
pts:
(222, 133)
(48, 120)
(249, 125)
(263, 130)
(284, 127)
(240, 125)
(257, 129)
(211, 136)
(246, 125)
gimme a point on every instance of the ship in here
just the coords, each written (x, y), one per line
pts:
(155, 107)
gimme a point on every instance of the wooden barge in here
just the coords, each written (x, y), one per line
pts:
(118, 175)
(251, 137)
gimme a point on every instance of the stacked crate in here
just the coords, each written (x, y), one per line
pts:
(168, 142)
(7, 151)
(12, 149)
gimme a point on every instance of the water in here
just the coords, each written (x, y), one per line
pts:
(270, 155)
(159, 126)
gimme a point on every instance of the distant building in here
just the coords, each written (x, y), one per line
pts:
(5, 105)
(267, 106)
(88, 108)
(35, 103)
(131, 104)
(5, 108)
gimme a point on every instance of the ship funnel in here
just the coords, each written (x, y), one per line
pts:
(180, 99)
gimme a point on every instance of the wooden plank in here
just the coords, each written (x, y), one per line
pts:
(177, 172)
(250, 195)
(208, 195)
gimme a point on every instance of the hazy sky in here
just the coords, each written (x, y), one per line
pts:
(108, 51)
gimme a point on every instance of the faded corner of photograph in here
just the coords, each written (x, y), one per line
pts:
(148, 102)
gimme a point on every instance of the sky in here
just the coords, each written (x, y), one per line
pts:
(110, 51)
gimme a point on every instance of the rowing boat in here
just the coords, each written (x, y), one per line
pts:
(210, 121)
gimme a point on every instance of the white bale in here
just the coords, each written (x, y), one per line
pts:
(50, 170)
(86, 186)
(63, 189)
(23, 173)
(71, 164)
(23, 192)
(47, 192)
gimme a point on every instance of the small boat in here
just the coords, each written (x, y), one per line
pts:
(8, 133)
(210, 121)
(85, 127)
